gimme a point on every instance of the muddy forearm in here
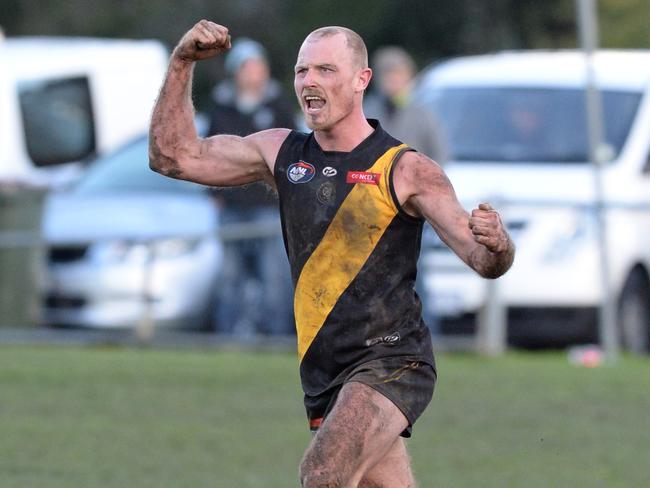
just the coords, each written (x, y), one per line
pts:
(492, 264)
(172, 122)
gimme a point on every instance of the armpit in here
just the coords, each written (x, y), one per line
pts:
(416, 176)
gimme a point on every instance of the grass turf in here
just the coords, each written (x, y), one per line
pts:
(141, 418)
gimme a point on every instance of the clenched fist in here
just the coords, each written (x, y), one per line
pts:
(487, 228)
(205, 40)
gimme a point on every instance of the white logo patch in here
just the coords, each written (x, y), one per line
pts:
(329, 171)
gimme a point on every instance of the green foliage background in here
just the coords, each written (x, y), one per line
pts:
(429, 29)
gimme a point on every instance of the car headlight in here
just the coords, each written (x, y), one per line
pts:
(174, 247)
(118, 250)
(137, 251)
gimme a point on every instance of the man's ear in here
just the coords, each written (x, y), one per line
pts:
(363, 79)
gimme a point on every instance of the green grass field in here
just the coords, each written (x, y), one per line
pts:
(142, 418)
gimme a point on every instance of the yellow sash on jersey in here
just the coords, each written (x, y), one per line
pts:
(349, 240)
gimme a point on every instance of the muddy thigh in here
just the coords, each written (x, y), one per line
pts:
(360, 430)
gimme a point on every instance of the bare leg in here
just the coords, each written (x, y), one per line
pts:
(394, 470)
(362, 428)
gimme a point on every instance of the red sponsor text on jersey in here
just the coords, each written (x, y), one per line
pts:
(363, 177)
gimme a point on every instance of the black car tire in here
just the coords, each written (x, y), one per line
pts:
(634, 313)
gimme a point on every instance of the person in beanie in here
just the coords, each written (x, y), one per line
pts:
(256, 293)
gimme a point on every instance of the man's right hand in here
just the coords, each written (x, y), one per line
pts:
(205, 40)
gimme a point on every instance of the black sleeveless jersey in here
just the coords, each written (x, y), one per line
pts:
(353, 253)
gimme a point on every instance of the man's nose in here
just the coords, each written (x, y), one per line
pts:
(308, 79)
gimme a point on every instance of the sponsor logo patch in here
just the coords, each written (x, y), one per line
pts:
(363, 177)
(329, 171)
(300, 172)
(389, 340)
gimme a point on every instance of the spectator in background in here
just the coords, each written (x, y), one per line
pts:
(390, 101)
(255, 293)
(249, 100)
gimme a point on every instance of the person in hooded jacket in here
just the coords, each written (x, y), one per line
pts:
(255, 293)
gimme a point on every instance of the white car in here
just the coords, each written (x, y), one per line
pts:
(65, 99)
(516, 128)
(125, 237)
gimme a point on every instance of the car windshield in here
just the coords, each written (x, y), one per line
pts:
(528, 125)
(127, 169)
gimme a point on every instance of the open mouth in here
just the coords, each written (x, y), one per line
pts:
(314, 103)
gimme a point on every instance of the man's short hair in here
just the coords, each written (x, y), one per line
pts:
(353, 40)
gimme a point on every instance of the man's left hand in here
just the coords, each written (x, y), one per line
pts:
(487, 228)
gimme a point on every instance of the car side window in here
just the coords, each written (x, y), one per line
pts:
(58, 119)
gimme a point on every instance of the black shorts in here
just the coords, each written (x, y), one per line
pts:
(407, 382)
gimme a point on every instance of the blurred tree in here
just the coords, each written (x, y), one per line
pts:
(625, 23)
(10, 14)
(543, 25)
(429, 29)
(433, 29)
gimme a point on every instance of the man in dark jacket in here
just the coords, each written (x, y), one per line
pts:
(391, 102)
(249, 100)
(256, 292)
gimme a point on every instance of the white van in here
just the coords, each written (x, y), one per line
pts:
(516, 128)
(63, 100)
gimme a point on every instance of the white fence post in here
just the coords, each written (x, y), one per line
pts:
(587, 21)
(146, 326)
(492, 322)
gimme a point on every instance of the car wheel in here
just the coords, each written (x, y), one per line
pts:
(205, 320)
(634, 313)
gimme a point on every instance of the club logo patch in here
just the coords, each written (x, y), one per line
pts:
(363, 177)
(329, 171)
(326, 193)
(300, 172)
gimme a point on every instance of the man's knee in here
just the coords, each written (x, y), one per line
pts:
(392, 471)
(318, 472)
(332, 460)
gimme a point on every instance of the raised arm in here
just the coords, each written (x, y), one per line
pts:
(176, 150)
(479, 239)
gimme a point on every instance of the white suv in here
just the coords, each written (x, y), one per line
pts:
(516, 128)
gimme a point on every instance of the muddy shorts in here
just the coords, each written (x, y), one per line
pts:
(407, 382)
